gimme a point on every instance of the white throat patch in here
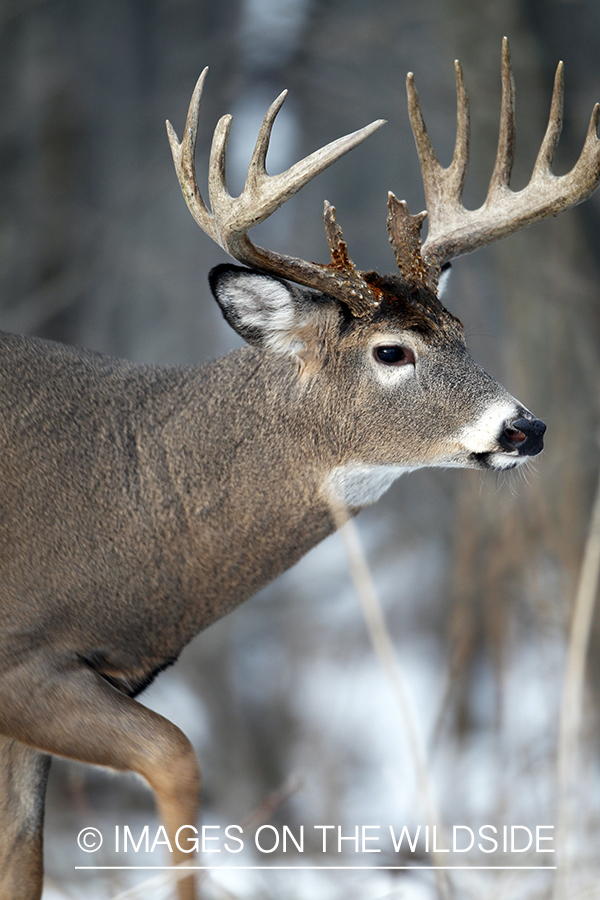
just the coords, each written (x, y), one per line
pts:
(356, 484)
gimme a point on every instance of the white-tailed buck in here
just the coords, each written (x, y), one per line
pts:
(140, 503)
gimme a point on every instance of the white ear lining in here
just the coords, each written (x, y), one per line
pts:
(443, 282)
(263, 310)
(258, 302)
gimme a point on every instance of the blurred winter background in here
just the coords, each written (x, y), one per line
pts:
(292, 716)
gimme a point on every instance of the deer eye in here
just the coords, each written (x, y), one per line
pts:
(394, 355)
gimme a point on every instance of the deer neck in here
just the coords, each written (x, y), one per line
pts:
(247, 458)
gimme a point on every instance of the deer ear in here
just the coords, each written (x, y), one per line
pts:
(265, 311)
(444, 279)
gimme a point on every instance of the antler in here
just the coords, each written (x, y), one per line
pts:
(231, 218)
(454, 230)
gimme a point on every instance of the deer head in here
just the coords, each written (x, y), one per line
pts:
(394, 330)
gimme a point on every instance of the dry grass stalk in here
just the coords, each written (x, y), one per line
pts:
(384, 649)
(156, 884)
(573, 690)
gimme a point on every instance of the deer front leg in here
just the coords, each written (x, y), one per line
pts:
(23, 776)
(66, 709)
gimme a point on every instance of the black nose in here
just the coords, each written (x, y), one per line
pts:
(524, 435)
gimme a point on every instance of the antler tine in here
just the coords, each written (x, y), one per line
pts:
(257, 168)
(443, 186)
(545, 157)
(183, 157)
(219, 196)
(587, 167)
(256, 205)
(506, 139)
(460, 160)
(454, 230)
(431, 171)
(264, 194)
(404, 232)
(335, 239)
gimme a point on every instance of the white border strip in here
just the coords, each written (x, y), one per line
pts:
(309, 868)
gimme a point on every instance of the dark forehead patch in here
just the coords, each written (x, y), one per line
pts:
(412, 307)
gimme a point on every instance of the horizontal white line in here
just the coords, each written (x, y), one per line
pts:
(309, 868)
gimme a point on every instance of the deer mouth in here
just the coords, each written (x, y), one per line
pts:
(496, 460)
